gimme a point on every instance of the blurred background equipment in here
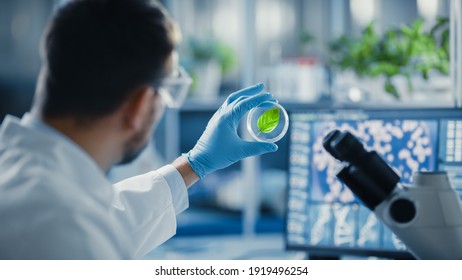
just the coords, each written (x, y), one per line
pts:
(21, 24)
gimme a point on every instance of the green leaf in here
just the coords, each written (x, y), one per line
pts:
(268, 121)
(390, 88)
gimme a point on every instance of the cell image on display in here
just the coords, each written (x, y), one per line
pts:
(344, 224)
(407, 145)
(369, 229)
(321, 228)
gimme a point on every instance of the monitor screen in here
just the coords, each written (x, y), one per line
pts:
(323, 216)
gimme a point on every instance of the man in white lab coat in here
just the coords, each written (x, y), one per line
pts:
(105, 63)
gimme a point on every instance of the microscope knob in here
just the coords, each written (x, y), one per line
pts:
(402, 210)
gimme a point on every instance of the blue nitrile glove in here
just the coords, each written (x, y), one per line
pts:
(220, 145)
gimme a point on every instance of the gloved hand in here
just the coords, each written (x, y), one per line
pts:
(220, 145)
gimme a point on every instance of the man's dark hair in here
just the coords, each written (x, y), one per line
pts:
(96, 51)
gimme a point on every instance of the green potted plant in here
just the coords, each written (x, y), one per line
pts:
(211, 59)
(400, 52)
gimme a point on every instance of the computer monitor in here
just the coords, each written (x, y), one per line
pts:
(323, 216)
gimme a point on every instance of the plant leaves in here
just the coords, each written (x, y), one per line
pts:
(407, 50)
(390, 88)
(268, 121)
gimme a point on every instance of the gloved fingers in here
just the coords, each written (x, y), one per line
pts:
(242, 98)
(259, 148)
(244, 104)
(244, 92)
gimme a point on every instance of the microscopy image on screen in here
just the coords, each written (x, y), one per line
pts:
(345, 217)
(450, 152)
(368, 229)
(321, 226)
(296, 227)
(407, 145)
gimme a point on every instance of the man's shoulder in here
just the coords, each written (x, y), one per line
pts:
(48, 178)
(44, 228)
(21, 146)
(27, 153)
(18, 164)
(47, 215)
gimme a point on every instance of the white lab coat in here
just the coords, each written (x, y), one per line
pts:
(56, 203)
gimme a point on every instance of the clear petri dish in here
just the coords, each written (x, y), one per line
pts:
(268, 122)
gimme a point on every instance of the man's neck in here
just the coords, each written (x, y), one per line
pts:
(90, 137)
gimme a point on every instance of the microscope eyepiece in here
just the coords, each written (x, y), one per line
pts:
(326, 143)
(344, 146)
(348, 147)
(366, 174)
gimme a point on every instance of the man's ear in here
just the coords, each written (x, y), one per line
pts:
(138, 106)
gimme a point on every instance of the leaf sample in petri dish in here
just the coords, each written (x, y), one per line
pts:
(267, 122)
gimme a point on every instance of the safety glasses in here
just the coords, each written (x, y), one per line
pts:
(174, 88)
